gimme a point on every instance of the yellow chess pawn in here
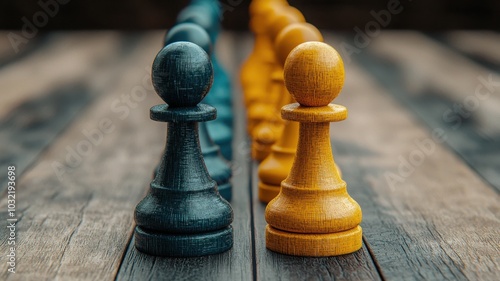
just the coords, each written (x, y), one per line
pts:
(276, 167)
(265, 124)
(258, 66)
(313, 215)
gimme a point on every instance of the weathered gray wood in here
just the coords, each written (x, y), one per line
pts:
(236, 264)
(12, 50)
(67, 58)
(438, 221)
(433, 81)
(78, 227)
(38, 106)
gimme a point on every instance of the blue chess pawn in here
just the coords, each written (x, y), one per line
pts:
(207, 15)
(183, 215)
(217, 166)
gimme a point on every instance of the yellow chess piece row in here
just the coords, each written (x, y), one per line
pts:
(276, 167)
(265, 124)
(313, 215)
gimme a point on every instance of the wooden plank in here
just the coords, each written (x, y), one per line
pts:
(67, 58)
(434, 82)
(480, 46)
(236, 264)
(42, 108)
(438, 220)
(77, 225)
(274, 266)
(10, 53)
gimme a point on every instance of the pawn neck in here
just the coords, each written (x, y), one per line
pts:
(182, 166)
(314, 166)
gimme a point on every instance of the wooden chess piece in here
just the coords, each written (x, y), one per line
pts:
(313, 215)
(257, 69)
(257, 66)
(268, 127)
(276, 167)
(183, 214)
(206, 13)
(217, 166)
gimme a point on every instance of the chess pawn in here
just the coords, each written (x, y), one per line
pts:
(259, 125)
(276, 167)
(183, 214)
(217, 166)
(270, 124)
(257, 66)
(206, 14)
(313, 215)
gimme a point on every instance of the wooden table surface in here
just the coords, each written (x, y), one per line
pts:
(420, 152)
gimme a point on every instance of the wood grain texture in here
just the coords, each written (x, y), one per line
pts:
(67, 58)
(38, 115)
(77, 227)
(236, 264)
(446, 91)
(439, 220)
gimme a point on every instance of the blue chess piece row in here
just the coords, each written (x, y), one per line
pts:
(218, 167)
(207, 14)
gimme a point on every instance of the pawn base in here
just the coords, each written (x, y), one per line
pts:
(314, 245)
(267, 192)
(183, 245)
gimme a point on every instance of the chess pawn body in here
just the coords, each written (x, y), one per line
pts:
(313, 215)
(183, 214)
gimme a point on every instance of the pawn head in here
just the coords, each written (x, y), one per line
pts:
(282, 19)
(294, 35)
(202, 16)
(314, 74)
(182, 74)
(189, 32)
(261, 11)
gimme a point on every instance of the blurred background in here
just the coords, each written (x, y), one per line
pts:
(425, 15)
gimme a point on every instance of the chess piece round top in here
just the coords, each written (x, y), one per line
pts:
(262, 6)
(282, 19)
(294, 35)
(189, 32)
(260, 11)
(314, 74)
(203, 16)
(182, 74)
